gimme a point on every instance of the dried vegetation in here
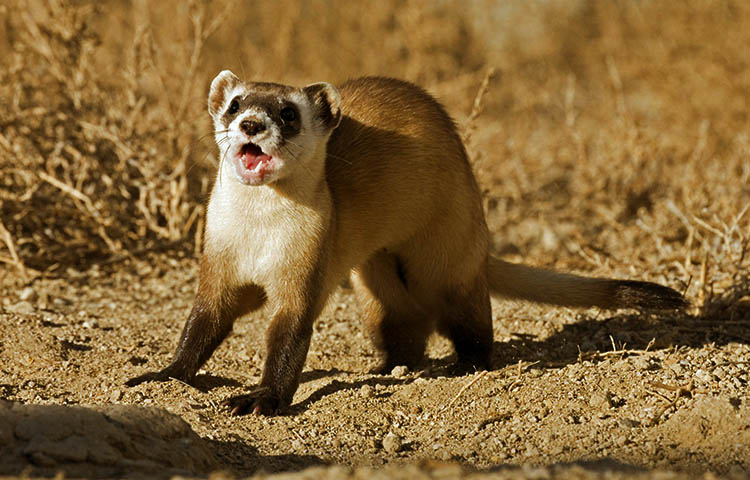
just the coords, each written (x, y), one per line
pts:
(608, 136)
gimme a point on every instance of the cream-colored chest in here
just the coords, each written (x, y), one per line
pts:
(265, 237)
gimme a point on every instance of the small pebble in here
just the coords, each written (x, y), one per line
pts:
(531, 450)
(599, 400)
(642, 363)
(43, 302)
(116, 395)
(572, 420)
(28, 294)
(444, 455)
(628, 423)
(61, 302)
(23, 308)
(703, 375)
(392, 443)
(399, 371)
(535, 373)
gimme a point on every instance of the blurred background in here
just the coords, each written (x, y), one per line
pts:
(609, 136)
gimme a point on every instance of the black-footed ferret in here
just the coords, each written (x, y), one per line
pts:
(369, 179)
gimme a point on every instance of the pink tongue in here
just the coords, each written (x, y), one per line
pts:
(251, 161)
(252, 156)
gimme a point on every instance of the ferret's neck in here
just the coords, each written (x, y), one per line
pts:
(307, 183)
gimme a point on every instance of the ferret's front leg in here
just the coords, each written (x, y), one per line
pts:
(210, 321)
(287, 342)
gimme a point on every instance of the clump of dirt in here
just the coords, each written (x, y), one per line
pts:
(100, 441)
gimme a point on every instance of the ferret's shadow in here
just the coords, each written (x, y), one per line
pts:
(338, 385)
(206, 382)
(721, 320)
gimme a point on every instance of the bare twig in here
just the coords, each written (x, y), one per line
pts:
(476, 107)
(73, 192)
(708, 227)
(464, 388)
(90, 209)
(11, 246)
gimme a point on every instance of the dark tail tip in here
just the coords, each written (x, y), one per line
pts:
(647, 296)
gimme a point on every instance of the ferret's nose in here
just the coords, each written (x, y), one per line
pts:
(252, 127)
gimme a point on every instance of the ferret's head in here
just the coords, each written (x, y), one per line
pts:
(265, 131)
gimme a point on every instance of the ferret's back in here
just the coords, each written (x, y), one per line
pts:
(396, 162)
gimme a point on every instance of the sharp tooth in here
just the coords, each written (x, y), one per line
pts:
(257, 167)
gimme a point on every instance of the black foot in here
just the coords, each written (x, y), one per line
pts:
(386, 366)
(381, 369)
(260, 401)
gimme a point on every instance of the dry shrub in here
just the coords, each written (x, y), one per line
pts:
(92, 164)
(610, 136)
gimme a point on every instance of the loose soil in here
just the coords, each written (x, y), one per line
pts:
(620, 392)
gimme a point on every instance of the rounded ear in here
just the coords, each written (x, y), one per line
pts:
(223, 82)
(327, 100)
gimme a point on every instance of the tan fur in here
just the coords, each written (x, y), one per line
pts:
(376, 183)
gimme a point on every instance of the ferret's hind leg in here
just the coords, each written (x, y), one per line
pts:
(398, 325)
(452, 283)
(466, 319)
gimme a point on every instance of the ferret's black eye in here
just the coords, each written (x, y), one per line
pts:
(288, 114)
(234, 107)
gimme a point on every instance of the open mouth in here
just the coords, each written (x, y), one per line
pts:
(253, 158)
(253, 166)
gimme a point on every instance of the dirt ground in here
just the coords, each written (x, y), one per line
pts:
(609, 138)
(609, 391)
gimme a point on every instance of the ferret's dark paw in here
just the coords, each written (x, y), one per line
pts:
(381, 369)
(260, 401)
(468, 365)
(386, 366)
(164, 375)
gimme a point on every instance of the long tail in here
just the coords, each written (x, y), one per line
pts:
(545, 286)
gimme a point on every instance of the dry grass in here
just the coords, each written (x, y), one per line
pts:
(105, 145)
(608, 136)
(625, 137)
